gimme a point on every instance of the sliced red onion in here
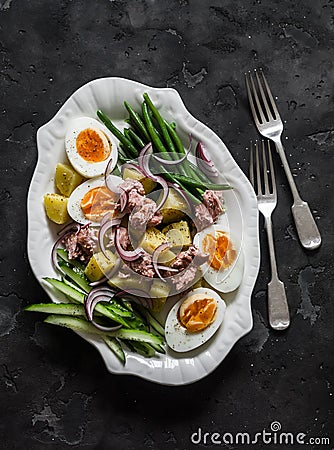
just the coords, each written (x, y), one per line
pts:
(102, 232)
(170, 269)
(66, 231)
(204, 161)
(123, 200)
(155, 256)
(165, 193)
(126, 255)
(137, 295)
(73, 226)
(93, 298)
(175, 161)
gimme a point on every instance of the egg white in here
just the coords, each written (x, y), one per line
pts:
(85, 168)
(177, 336)
(74, 201)
(224, 280)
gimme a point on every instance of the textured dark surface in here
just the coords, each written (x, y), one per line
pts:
(54, 389)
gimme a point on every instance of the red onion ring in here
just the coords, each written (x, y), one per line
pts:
(204, 161)
(102, 232)
(175, 161)
(123, 200)
(155, 256)
(66, 231)
(92, 299)
(126, 255)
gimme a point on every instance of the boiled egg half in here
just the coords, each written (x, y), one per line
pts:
(225, 266)
(90, 146)
(194, 319)
(91, 200)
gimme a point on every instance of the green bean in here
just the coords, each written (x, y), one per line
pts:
(137, 120)
(150, 128)
(116, 132)
(161, 124)
(135, 138)
(190, 182)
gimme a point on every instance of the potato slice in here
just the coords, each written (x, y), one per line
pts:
(159, 292)
(178, 234)
(99, 265)
(174, 208)
(67, 179)
(56, 208)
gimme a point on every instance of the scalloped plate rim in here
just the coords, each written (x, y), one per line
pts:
(108, 357)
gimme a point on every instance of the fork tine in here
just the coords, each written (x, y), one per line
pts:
(250, 99)
(263, 96)
(251, 164)
(257, 101)
(271, 98)
(265, 170)
(258, 174)
(271, 165)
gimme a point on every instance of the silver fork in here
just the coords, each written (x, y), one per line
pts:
(278, 310)
(270, 125)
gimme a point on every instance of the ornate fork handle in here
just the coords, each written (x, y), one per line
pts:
(278, 309)
(305, 224)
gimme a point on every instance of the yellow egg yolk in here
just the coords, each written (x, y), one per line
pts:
(93, 145)
(97, 202)
(197, 312)
(221, 251)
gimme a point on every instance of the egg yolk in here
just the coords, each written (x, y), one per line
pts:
(93, 145)
(97, 202)
(197, 312)
(221, 251)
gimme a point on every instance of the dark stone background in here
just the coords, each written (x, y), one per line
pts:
(55, 391)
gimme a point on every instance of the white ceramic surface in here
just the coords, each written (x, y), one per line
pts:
(109, 94)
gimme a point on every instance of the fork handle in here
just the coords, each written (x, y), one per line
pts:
(278, 309)
(306, 227)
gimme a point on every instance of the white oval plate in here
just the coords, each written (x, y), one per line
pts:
(109, 94)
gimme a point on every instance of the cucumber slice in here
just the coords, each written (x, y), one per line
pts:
(82, 325)
(57, 308)
(69, 291)
(115, 347)
(158, 348)
(69, 283)
(141, 347)
(77, 296)
(76, 276)
(155, 324)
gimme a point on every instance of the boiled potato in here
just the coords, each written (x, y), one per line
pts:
(178, 234)
(56, 208)
(174, 208)
(147, 183)
(129, 283)
(99, 265)
(152, 239)
(67, 179)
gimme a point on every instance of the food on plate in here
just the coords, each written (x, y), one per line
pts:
(89, 147)
(178, 234)
(67, 179)
(144, 232)
(174, 208)
(194, 319)
(56, 208)
(90, 201)
(225, 265)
